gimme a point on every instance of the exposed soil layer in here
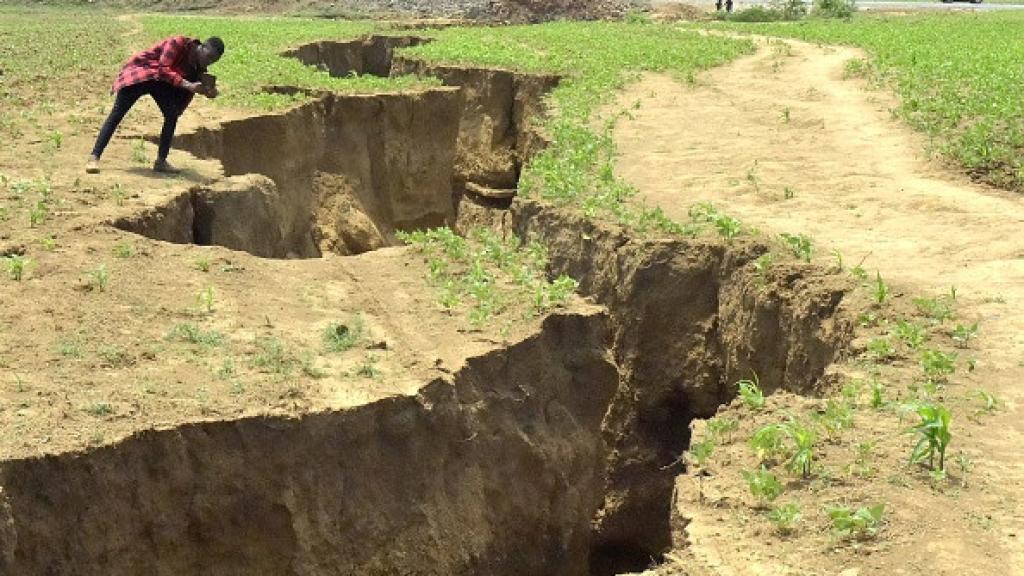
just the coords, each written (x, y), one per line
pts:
(691, 317)
(496, 470)
(497, 131)
(372, 55)
(373, 163)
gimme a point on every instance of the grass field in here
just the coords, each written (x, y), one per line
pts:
(958, 76)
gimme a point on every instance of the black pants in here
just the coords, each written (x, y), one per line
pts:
(167, 97)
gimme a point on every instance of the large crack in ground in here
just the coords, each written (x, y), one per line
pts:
(554, 455)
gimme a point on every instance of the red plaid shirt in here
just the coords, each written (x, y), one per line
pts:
(166, 61)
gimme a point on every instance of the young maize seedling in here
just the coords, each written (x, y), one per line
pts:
(785, 517)
(99, 278)
(762, 264)
(763, 485)
(877, 401)
(910, 334)
(803, 438)
(881, 289)
(963, 334)
(750, 392)
(139, 152)
(768, 443)
(16, 265)
(937, 364)
(799, 244)
(881, 349)
(862, 523)
(205, 299)
(989, 403)
(838, 416)
(728, 227)
(700, 452)
(934, 435)
(938, 309)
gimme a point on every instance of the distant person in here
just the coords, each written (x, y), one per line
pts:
(171, 72)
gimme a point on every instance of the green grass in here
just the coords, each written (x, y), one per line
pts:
(252, 56)
(43, 50)
(958, 75)
(596, 59)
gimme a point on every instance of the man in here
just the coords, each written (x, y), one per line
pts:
(170, 72)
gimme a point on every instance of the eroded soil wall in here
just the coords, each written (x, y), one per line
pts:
(497, 471)
(498, 132)
(690, 318)
(394, 153)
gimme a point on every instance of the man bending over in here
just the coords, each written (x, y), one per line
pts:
(170, 72)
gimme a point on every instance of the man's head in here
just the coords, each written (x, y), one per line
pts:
(210, 51)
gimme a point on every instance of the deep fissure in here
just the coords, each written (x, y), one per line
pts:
(344, 173)
(347, 172)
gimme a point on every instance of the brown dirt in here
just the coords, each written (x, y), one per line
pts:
(786, 118)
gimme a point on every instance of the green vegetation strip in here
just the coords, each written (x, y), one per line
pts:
(959, 78)
(596, 60)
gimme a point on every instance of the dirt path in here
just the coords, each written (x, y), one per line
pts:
(785, 122)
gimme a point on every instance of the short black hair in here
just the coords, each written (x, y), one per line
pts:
(216, 44)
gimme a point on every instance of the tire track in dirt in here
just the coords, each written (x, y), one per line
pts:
(785, 118)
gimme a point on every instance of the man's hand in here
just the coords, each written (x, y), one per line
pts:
(193, 87)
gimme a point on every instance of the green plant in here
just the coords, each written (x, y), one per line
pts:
(100, 409)
(751, 394)
(788, 193)
(201, 263)
(799, 245)
(860, 465)
(721, 428)
(989, 403)
(963, 334)
(205, 299)
(728, 227)
(881, 349)
(139, 151)
(369, 368)
(911, 334)
(37, 214)
(877, 401)
(271, 357)
(938, 309)
(123, 250)
(700, 452)
(339, 337)
(934, 435)
(98, 278)
(16, 265)
(881, 289)
(803, 438)
(194, 335)
(768, 442)
(937, 364)
(861, 523)
(48, 243)
(785, 517)
(762, 263)
(837, 416)
(763, 485)
(54, 140)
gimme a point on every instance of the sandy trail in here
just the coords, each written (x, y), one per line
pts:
(785, 119)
